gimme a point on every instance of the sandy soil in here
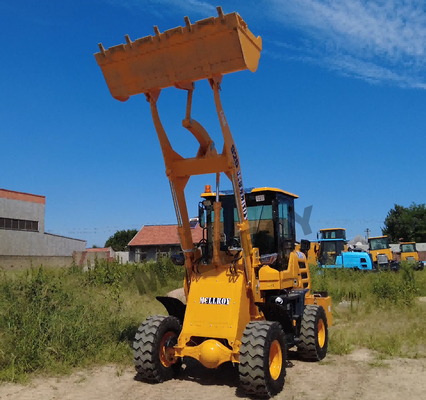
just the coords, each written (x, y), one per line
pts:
(356, 376)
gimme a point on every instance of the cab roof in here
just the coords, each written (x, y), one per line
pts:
(332, 229)
(252, 190)
(377, 237)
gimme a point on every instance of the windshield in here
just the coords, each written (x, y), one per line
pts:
(333, 234)
(271, 224)
(378, 243)
(328, 247)
(408, 248)
(260, 224)
(329, 250)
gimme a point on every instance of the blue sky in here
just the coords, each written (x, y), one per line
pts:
(335, 112)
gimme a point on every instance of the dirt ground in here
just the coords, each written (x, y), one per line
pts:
(356, 376)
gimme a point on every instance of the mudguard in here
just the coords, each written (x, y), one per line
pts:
(173, 306)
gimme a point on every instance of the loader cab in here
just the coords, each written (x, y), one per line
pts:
(380, 250)
(332, 242)
(333, 233)
(408, 247)
(271, 219)
(329, 250)
(378, 243)
(409, 251)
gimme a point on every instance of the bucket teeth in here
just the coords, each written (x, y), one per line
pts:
(220, 13)
(128, 41)
(188, 23)
(157, 31)
(101, 48)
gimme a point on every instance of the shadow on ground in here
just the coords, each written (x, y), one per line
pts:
(225, 375)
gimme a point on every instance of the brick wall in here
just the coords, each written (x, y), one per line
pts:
(85, 258)
(24, 262)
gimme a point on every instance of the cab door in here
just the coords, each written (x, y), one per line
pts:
(285, 229)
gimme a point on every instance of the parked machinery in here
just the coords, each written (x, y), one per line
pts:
(333, 252)
(409, 253)
(381, 253)
(248, 290)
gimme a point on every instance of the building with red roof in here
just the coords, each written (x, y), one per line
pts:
(154, 240)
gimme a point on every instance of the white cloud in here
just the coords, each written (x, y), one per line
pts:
(160, 7)
(378, 40)
(190, 5)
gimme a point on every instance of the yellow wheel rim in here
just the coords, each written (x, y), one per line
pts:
(166, 353)
(275, 360)
(321, 333)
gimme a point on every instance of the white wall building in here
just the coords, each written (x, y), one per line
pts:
(22, 231)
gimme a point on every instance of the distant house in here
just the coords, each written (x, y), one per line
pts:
(154, 240)
(88, 256)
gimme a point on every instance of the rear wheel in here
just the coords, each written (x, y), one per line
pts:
(313, 334)
(262, 359)
(153, 348)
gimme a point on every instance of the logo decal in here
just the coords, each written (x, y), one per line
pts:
(224, 301)
(240, 182)
(222, 116)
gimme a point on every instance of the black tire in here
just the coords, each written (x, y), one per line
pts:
(313, 334)
(258, 340)
(152, 362)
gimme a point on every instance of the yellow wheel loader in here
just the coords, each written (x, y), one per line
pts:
(409, 253)
(381, 254)
(248, 290)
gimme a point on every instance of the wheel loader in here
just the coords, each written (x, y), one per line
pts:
(381, 254)
(409, 253)
(248, 291)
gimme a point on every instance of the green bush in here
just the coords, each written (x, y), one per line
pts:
(379, 311)
(53, 320)
(382, 288)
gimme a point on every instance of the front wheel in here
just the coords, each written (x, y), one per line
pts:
(262, 359)
(153, 348)
(313, 334)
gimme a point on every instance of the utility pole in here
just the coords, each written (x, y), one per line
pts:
(368, 233)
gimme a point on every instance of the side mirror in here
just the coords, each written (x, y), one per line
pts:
(201, 215)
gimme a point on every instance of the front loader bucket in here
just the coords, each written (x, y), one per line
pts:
(208, 48)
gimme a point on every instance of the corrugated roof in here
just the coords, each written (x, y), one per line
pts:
(151, 235)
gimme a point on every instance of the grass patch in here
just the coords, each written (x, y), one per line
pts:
(378, 311)
(54, 320)
(378, 364)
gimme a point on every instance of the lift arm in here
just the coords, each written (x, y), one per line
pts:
(207, 49)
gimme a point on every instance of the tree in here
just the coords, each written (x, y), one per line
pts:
(406, 223)
(121, 239)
